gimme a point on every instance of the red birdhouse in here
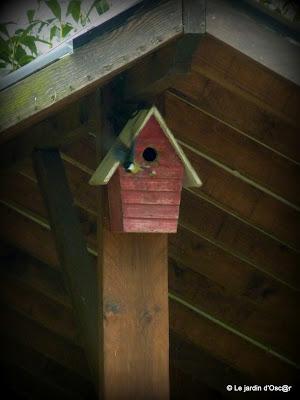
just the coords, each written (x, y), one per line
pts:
(145, 171)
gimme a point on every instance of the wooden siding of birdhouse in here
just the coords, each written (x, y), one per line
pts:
(148, 201)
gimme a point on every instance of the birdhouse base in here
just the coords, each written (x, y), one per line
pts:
(138, 205)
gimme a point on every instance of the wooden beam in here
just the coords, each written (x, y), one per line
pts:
(135, 315)
(74, 258)
(194, 18)
(231, 23)
(64, 81)
(71, 124)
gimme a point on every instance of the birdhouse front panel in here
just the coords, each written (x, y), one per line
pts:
(148, 200)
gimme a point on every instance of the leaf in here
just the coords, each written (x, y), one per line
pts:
(37, 39)
(65, 29)
(101, 6)
(4, 30)
(3, 65)
(50, 20)
(26, 59)
(42, 24)
(4, 49)
(55, 8)
(30, 15)
(74, 9)
(54, 31)
(20, 52)
(29, 41)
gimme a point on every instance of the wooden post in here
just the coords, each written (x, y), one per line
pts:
(80, 276)
(135, 316)
(134, 321)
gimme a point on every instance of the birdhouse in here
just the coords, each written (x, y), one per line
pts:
(146, 198)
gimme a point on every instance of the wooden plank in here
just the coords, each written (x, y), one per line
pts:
(19, 190)
(29, 385)
(44, 370)
(64, 81)
(32, 304)
(240, 113)
(239, 238)
(83, 193)
(35, 274)
(230, 23)
(76, 263)
(135, 310)
(19, 231)
(194, 18)
(201, 365)
(236, 351)
(246, 201)
(208, 259)
(151, 211)
(225, 144)
(33, 335)
(220, 62)
(72, 123)
(236, 311)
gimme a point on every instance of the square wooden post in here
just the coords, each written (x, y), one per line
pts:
(135, 316)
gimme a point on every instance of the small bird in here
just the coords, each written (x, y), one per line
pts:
(126, 157)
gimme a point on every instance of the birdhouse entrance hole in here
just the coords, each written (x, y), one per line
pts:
(149, 154)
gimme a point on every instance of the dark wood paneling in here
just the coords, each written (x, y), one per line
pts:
(239, 238)
(223, 63)
(221, 142)
(241, 114)
(259, 365)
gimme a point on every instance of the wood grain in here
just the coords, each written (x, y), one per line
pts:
(240, 354)
(241, 113)
(236, 71)
(135, 309)
(228, 146)
(64, 81)
(241, 239)
(75, 261)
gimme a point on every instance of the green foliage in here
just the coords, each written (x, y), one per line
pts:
(55, 8)
(21, 47)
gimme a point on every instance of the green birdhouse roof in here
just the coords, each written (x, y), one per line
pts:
(130, 132)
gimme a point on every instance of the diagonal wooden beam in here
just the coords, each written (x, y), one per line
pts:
(151, 26)
(78, 269)
(159, 70)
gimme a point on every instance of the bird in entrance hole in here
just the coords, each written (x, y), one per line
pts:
(125, 155)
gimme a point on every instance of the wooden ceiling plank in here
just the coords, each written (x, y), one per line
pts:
(215, 263)
(72, 123)
(35, 274)
(76, 263)
(236, 311)
(206, 133)
(30, 333)
(248, 202)
(29, 385)
(244, 115)
(44, 370)
(241, 239)
(64, 81)
(237, 352)
(31, 303)
(229, 67)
